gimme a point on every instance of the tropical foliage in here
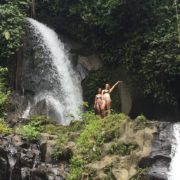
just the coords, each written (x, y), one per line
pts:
(12, 16)
(3, 92)
(140, 35)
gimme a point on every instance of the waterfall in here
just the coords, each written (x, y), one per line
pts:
(26, 112)
(52, 77)
(174, 173)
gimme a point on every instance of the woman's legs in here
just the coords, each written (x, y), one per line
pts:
(98, 109)
(103, 107)
(108, 105)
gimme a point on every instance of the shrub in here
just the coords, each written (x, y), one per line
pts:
(60, 144)
(122, 149)
(3, 128)
(141, 118)
(3, 92)
(32, 130)
(29, 132)
(77, 165)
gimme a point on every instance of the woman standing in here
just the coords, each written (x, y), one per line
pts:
(106, 103)
(98, 102)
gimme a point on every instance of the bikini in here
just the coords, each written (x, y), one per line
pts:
(99, 97)
(106, 98)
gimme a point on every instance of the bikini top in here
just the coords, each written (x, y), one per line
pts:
(106, 91)
(98, 97)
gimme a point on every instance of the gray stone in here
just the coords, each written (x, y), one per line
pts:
(91, 63)
(47, 149)
(17, 140)
(160, 157)
(40, 108)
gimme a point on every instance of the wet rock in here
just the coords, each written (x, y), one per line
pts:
(67, 151)
(24, 163)
(40, 108)
(47, 149)
(27, 159)
(39, 174)
(4, 165)
(160, 159)
(25, 173)
(47, 173)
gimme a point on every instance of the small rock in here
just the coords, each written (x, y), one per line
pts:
(17, 141)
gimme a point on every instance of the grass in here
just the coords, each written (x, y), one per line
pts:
(89, 145)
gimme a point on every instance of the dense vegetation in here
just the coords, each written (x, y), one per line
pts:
(12, 14)
(142, 36)
(11, 26)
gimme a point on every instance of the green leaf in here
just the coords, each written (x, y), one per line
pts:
(6, 35)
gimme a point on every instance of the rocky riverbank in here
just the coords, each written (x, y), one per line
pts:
(113, 148)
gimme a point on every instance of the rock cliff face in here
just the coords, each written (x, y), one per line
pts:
(160, 156)
(125, 167)
(21, 160)
(137, 146)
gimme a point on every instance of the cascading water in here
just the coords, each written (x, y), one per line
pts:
(51, 76)
(174, 173)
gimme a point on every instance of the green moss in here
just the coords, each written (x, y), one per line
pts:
(141, 174)
(122, 148)
(141, 118)
(77, 166)
(108, 171)
(97, 131)
(141, 122)
(61, 142)
(3, 128)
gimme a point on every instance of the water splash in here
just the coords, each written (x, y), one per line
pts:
(27, 111)
(174, 173)
(56, 81)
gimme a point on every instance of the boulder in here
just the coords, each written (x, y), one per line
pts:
(39, 108)
(91, 63)
(47, 149)
(4, 165)
(17, 140)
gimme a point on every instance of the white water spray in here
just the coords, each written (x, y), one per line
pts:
(61, 88)
(27, 111)
(174, 173)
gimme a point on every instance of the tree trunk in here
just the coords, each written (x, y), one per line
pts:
(33, 12)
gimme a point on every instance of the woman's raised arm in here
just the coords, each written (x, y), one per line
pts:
(114, 86)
